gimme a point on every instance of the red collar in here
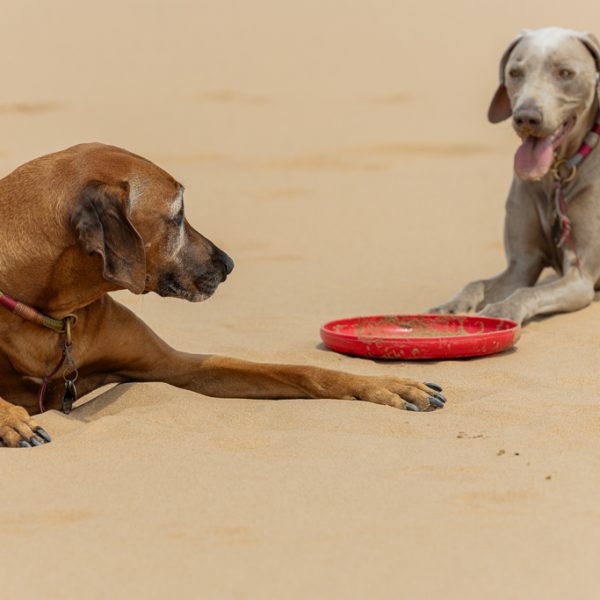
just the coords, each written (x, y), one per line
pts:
(35, 316)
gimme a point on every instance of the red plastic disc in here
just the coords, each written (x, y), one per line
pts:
(420, 337)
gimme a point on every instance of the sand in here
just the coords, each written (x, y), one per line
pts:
(339, 152)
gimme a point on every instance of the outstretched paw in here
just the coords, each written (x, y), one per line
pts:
(451, 308)
(503, 310)
(403, 393)
(467, 300)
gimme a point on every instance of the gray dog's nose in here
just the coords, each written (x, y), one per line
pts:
(529, 116)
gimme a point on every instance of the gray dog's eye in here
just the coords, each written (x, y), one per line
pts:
(515, 73)
(566, 74)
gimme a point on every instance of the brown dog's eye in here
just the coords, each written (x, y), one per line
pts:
(566, 74)
(515, 73)
(178, 218)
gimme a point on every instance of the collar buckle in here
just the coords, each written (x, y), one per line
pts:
(558, 171)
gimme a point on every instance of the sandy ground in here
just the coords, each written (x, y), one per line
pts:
(339, 152)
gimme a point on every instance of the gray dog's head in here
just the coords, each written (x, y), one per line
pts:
(549, 84)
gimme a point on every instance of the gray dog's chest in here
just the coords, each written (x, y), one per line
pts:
(546, 212)
(581, 206)
(548, 224)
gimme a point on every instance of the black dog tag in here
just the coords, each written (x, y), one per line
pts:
(69, 397)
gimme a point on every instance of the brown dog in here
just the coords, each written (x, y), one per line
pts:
(92, 219)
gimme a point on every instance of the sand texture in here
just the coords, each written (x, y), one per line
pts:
(339, 151)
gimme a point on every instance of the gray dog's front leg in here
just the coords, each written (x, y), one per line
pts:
(478, 294)
(571, 292)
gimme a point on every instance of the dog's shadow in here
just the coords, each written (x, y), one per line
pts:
(100, 403)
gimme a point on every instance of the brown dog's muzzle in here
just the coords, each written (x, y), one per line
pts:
(197, 273)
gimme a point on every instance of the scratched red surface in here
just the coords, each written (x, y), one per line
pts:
(420, 337)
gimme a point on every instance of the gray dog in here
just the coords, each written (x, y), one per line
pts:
(549, 84)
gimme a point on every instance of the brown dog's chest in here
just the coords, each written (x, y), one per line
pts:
(27, 354)
(28, 349)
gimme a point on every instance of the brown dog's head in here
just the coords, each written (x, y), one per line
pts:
(548, 83)
(139, 231)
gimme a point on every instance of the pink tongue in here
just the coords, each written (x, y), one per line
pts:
(533, 158)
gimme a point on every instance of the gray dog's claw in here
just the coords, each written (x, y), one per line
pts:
(434, 386)
(442, 398)
(413, 407)
(435, 402)
(24, 444)
(43, 434)
(34, 441)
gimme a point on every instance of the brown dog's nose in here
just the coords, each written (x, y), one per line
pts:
(224, 260)
(528, 116)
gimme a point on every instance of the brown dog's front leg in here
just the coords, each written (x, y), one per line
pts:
(140, 355)
(232, 378)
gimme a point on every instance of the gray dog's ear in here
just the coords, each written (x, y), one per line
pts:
(593, 45)
(100, 221)
(500, 108)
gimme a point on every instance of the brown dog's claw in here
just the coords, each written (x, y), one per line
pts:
(24, 444)
(436, 402)
(43, 434)
(434, 386)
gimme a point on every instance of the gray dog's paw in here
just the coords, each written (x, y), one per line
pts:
(450, 308)
(503, 310)
(454, 307)
(467, 300)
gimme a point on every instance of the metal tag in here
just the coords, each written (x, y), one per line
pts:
(70, 396)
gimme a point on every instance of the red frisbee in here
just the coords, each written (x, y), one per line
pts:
(420, 337)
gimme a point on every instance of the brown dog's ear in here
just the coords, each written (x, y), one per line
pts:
(100, 222)
(500, 108)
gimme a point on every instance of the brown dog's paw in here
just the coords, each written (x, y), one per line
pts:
(402, 393)
(19, 430)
